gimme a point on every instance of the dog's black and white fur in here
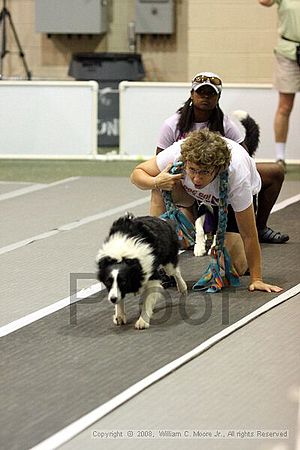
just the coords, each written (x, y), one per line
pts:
(251, 141)
(252, 130)
(129, 261)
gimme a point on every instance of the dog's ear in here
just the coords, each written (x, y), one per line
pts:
(105, 261)
(104, 268)
(132, 272)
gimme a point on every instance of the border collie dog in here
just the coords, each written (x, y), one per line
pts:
(129, 259)
(251, 140)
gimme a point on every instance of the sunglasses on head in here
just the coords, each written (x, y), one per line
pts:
(203, 78)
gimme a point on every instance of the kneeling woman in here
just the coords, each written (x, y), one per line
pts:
(205, 155)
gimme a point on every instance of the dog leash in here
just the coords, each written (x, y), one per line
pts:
(184, 228)
(212, 280)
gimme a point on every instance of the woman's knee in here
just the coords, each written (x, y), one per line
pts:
(241, 267)
(276, 174)
(156, 196)
(235, 247)
(271, 173)
(239, 262)
(286, 102)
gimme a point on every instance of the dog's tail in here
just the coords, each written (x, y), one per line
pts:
(124, 222)
(251, 129)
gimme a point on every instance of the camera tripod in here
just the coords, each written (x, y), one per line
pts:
(5, 19)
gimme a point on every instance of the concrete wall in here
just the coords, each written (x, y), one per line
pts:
(235, 38)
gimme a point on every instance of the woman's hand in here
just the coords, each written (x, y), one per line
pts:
(259, 285)
(165, 180)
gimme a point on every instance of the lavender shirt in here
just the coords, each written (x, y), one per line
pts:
(169, 134)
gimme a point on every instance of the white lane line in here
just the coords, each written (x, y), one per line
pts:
(68, 433)
(30, 318)
(84, 221)
(73, 225)
(21, 191)
(285, 203)
(36, 315)
(33, 188)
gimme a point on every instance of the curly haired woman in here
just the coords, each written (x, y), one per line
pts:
(205, 155)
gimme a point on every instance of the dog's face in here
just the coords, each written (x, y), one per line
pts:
(120, 278)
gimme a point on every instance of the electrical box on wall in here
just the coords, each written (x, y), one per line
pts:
(154, 16)
(71, 16)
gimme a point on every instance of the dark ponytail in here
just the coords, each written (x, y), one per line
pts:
(216, 121)
(187, 117)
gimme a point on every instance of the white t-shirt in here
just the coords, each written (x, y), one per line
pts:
(244, 180)
(170, 134)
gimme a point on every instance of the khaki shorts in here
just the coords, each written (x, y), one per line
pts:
(286, 75)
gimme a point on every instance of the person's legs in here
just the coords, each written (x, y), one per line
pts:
(180, 197)
(234, 244)
(157, 205)
(287, 83)
(281, 123)
(272, 176)
(235, 247)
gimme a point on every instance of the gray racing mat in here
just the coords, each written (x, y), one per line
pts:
(249, 381)
(54, 372)
(38, 274)
(6, 187)
(59, 204)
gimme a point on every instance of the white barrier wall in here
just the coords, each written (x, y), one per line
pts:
(48, 119)
(144, 107)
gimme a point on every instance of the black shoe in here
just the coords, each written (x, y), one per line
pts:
(269, 236)
(166, 280)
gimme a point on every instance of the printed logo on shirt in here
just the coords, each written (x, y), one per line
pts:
(202, 196)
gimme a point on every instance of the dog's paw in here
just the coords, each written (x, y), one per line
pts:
(140, 324)
(199, 249)
(182, 287)
(120, 319)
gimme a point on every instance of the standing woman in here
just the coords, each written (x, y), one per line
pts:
(286, 69)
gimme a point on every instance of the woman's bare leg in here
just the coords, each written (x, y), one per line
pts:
(157, 205)
(272, 177)
(235, 247)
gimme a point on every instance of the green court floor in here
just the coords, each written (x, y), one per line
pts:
(47, 171)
